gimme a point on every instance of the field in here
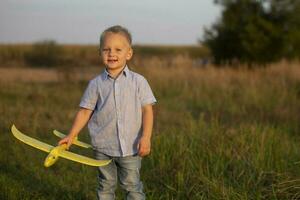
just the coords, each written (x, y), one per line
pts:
(219, 133)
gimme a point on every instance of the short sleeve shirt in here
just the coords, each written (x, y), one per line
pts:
(116, 123)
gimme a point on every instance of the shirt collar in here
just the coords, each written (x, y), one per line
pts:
(125, 72)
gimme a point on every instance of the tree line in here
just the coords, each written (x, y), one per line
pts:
(255, 31)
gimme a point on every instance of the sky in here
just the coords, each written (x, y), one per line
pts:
(167, 22)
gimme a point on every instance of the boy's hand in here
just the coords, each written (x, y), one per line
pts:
(144, 146)
(68, 140)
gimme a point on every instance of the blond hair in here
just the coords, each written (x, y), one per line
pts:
(117, 30)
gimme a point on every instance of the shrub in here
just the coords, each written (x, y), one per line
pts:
(45, 53)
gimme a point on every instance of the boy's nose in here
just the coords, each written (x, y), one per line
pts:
(111, 53)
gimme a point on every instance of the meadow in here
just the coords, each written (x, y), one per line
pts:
(219, 132)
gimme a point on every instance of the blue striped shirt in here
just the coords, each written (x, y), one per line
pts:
(116, 123)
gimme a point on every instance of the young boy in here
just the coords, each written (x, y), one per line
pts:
(117, 105)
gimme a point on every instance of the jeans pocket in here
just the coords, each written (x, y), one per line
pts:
(100, 156)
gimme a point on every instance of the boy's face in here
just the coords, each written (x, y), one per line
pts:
(115, 51)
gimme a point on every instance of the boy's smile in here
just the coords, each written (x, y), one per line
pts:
(115, 52)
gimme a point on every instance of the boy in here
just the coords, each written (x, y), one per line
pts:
(117, 105)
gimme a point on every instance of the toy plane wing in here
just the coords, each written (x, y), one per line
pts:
(76, 141)
(31, 141)
(55, 152)
(83, 159)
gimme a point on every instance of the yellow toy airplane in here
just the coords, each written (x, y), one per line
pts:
(58, 151)
(76, 141)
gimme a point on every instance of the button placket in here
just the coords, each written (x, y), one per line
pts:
(119, 124)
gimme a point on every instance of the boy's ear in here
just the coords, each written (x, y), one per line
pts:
(130, 53)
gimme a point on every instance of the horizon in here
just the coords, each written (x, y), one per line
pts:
(94, 44)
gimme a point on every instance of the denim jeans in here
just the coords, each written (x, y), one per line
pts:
(126, 170)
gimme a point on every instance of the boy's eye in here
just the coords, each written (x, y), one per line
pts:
(119, 49)
(105, 49)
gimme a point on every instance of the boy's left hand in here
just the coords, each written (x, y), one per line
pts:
(144, 146)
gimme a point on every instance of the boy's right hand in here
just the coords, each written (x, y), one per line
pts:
(68, 140)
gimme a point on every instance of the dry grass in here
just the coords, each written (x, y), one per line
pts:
(28, 74)
(220, 133)
(181, 67)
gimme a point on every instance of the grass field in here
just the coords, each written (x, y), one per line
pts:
(219, 133)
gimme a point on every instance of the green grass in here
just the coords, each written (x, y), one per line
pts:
(218, 134)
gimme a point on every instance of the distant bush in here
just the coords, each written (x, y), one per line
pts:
(45, 53)
(252, 31)
(48, 53)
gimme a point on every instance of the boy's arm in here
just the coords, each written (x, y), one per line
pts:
(81, 118)
(144, 145)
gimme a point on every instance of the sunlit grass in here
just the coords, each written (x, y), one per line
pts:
(218, 134)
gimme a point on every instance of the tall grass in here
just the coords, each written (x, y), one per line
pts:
(219, 133)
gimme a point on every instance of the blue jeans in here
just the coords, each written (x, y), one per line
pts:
(126, 170)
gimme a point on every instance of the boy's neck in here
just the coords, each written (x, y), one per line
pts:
(114, 73)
